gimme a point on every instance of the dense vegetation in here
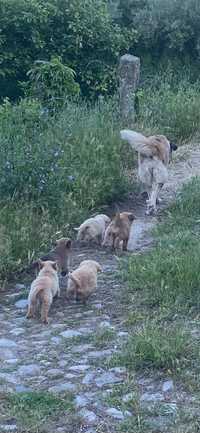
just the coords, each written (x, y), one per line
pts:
(61, 157)
(90, 35)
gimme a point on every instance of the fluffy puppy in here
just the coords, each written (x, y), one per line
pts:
(119, 230)
(93, 229)
(43, 289)
(61, 253)
(154, 154)
(83, 281)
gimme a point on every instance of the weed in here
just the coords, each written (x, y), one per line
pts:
(33, 409)
(156, 347)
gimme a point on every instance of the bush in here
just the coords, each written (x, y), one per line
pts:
(81, 32)
(52, 83)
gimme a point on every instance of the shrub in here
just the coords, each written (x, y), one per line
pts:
(81, 32)
(52, 83)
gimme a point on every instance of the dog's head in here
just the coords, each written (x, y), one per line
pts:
(48, 266)
(62, 250)
(173, 147)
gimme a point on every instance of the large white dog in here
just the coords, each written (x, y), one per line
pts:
(153, 158)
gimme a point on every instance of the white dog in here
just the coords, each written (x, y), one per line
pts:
(153, 158)
(93, 229)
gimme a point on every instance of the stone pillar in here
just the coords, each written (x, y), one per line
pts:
(129, 74)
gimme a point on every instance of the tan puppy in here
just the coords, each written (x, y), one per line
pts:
(154, 154)
(119, 230)
(61, 254)
(93, 229)
(43, 289)
(83, 281)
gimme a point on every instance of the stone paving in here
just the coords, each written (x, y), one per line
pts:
(70, 355)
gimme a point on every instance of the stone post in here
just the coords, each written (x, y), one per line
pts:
(129, 74)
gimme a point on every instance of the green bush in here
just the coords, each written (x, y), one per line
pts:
(52, 83)
(81, 32)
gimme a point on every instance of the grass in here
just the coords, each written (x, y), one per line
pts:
(161, 301)
(33, 410)
(55, 172)
(156, 347)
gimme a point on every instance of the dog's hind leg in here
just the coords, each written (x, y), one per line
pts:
(46, 303)
(151, 203)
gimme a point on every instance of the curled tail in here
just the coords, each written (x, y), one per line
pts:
(35, 293)
(138, 142)
(74, 279)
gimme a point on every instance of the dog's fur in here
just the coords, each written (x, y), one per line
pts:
(61, 254)
(119, 230)
(93, 229)
(83, 280)
(43, 289)
(154, 154)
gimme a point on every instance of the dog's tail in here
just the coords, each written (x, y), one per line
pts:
(74, 279)
(35, 293)
(138, 142)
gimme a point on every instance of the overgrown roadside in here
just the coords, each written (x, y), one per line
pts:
(149, 385)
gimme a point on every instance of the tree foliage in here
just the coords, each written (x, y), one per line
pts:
(81, 32)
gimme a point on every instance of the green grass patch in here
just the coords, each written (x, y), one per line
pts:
(167, 348)
(168, 276)
(34, 409)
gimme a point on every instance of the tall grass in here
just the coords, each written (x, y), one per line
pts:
(168, 276)
(170, 107)
(54, 171)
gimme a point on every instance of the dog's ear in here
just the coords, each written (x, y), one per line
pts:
(173, 146)
(40, 263)
(131, 217)
(117, 217)
(99, 268)
(54, 265)
(68, 243)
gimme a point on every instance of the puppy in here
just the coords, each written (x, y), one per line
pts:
(93, 229)
(43, 289)
(61, 254)
(119, 230)
(83, 281)
(154, 154)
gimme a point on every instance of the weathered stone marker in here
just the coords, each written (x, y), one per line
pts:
(129, 74)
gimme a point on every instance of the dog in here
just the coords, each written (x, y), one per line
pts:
(154, 154)
(61, 253)
(83, 280)
(119, 230)
(93, 229)
(44, 288)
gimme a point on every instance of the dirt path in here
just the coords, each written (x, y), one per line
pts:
(70, 354)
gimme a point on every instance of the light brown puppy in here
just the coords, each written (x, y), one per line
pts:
(83, 281)
(43, 289)
(61, 254)
(119, 230)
